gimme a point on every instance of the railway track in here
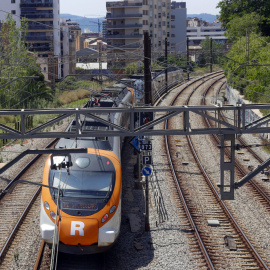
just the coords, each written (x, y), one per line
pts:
(262, 194)
(210, 250)
(212, 245)
(19, 203)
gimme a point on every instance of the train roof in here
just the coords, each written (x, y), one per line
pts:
(84, 143)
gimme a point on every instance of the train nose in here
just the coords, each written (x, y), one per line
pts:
(81, 231)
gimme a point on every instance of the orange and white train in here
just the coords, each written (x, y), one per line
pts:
(89, 216)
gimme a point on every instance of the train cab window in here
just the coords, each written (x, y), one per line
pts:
(82, 162)
(84, 184)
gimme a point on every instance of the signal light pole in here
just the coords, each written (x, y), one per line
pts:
(166, 63)
(147, 70)
(147, 101)
(188, 58)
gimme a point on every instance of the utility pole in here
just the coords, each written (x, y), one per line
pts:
(147, 70)
(187, 58)
(247, 51)
(99, 45)
(147, 101)
(166, 64)
(211, 55)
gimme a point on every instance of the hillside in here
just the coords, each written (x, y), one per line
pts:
(84, 22)
(205, 16)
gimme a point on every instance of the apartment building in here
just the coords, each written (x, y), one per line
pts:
(43, 31)
(126, 23)
(76, 32)
(104, 28)
(178, 26)
(68, 48)
(198, 30)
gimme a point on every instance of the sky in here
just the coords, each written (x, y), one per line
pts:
(97, 8)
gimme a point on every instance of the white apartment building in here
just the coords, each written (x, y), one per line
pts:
(43, 30)
(126, 23)
(10, 7)
(197, 34)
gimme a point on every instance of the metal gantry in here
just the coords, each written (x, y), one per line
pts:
(95, 113)
(227, 131)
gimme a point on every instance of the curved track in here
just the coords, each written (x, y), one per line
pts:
(260, 191)
(207, 247)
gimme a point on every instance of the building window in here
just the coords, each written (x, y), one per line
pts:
(163, 23)
(145, 2)
(13, 11)
(159, 24)
(145, 12)
(168, 34)
(159, 15)
(13, 1)
(145, 22)
(159, 43)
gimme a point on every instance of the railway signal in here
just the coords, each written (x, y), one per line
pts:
(146, 117)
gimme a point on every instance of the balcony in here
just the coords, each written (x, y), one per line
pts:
(27, 5)
(40, 27)
(119, 4)
(123, 46)
(38, 38)
(37, 49)
(38, 16)
(122, 16)
(134, 36)
(124, 26)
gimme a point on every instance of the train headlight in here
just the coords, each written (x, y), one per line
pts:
(105, 217)
(47, 206)
(112, 209)
(53, 215)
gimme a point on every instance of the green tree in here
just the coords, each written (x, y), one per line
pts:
(133, 67)
(205, 55)
(241, 26)
(16, 61)
(230, 9)
(252, 81)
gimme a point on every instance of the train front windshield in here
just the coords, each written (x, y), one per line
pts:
(83, 184)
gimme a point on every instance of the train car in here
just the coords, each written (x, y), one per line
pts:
(90, 199)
